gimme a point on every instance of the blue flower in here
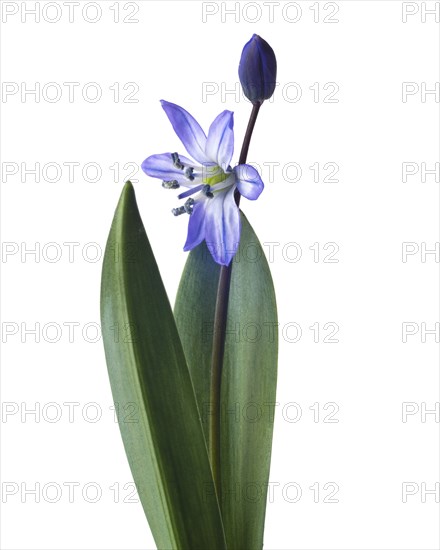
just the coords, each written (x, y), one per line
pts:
(209, 179)
(258, 70)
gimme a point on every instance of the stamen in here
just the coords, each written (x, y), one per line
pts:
(189, 206)
(189, 173)
(206, 190)
(178, 211)
(176, 161)
(186, 208)
(190, 191)
(172, 184)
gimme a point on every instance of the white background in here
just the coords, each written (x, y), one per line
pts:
(370, 377)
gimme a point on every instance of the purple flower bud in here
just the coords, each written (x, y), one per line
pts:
(257, 70)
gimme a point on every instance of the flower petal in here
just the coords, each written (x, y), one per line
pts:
(249, 182)
(188, 130)
(196, 226)
(222, 226)
(162, 167)
(220, 143)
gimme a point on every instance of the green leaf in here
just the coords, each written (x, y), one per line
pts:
(248, 378)
(158, 415)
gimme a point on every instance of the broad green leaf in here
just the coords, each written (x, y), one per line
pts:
(148, 373)
(248, 378)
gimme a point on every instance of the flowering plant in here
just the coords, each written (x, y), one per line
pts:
(199, 459)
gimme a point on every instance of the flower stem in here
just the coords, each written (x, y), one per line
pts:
(248, 134)
(218, 344)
